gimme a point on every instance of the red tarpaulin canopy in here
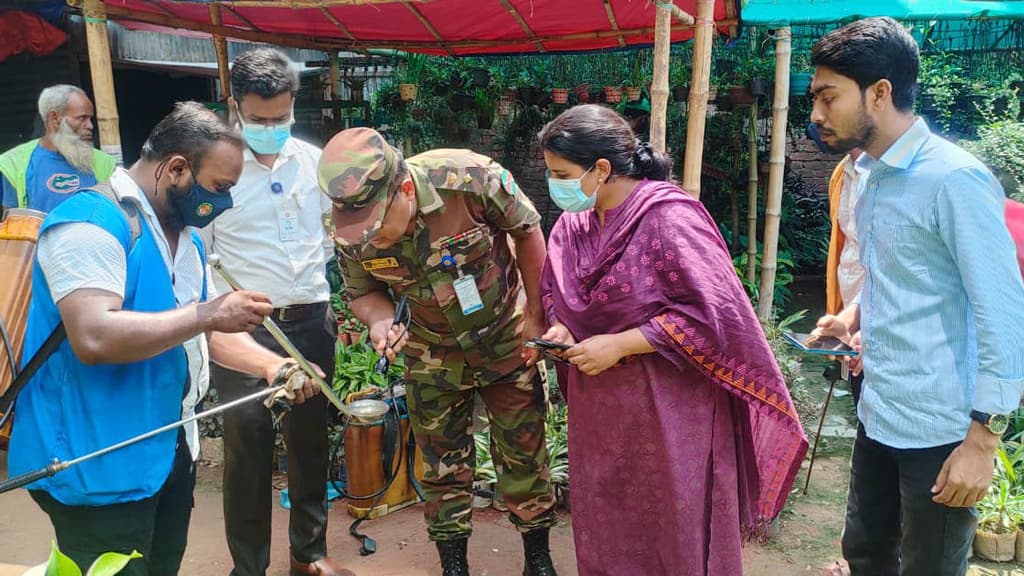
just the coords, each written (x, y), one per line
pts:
(442, 27)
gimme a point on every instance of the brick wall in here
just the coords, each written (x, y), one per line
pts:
(813, 165)
(530, 176)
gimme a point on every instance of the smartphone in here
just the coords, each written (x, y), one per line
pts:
(546, 344)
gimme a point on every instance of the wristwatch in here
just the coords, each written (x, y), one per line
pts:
(996, 423)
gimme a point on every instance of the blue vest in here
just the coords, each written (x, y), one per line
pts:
(70, 409)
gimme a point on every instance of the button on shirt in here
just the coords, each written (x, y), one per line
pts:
(942, 310)
(273, 239)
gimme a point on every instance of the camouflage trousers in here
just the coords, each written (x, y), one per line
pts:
(441, 390)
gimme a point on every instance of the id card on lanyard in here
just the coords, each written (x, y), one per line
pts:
(465, 285)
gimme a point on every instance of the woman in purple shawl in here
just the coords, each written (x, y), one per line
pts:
(682, 433)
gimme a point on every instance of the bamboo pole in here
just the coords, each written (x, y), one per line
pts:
(102, 77)
(613, 22)
(752, 198)
(773, 205)
(523, 25)
(220, 46)
(659, 84)
(335, 75)
(704, 27)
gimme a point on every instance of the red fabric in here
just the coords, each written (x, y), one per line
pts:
(1015, 223)
(21, 31)
(454, 20)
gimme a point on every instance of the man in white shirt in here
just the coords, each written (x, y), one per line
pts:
(273, 240)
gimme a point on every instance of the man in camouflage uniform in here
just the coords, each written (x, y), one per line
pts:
(436, 228)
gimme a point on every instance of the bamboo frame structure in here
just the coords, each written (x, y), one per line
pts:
(334, 73)
(530, 34)
(698, 104)
(102, 77)
(773, 205)
(752, 198)
(659, 82)
(613, 22)
(349, 44)
(220, 46)
(430, 27)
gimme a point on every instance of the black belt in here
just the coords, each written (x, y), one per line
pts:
(298, 312)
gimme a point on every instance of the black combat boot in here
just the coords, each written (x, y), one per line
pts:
(538, 557)
(453, 557)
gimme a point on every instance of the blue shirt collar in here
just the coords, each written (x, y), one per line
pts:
(903, 151)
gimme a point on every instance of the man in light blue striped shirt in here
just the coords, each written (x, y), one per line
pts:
(942, 311)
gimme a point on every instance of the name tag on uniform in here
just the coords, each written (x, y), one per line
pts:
(288, 226)
(468, 295)
(379, 264)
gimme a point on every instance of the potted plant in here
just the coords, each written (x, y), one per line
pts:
(483, 104)
(410, 75)
(999, 514)
(613, 94)
(481, 77)
(637, 79)
(679, 78)
(799, 75)
(559, 84)
(354, 369)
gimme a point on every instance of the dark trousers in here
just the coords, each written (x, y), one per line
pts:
(892, 526)
(157, 527)
(249, 454)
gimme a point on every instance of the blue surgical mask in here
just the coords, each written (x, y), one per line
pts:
(568, 194)
(264, 139)
(200, 206)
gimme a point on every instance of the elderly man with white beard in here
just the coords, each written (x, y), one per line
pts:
(42, 173)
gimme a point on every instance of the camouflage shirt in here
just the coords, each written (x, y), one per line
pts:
(468, 206)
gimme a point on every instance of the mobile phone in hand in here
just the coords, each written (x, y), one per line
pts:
(546, 344)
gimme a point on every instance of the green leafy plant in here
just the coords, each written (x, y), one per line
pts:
(354, 369)
(485, 471)
(1002, 509)
(557, 434)
(106, 565)
(414, 69)
(1000, 145)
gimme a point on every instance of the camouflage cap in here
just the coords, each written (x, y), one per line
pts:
(355, 171)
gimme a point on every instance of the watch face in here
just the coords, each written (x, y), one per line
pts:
(998, 424)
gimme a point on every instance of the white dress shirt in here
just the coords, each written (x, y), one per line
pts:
(273, 239)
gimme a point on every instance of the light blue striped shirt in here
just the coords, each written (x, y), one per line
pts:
(942, 309)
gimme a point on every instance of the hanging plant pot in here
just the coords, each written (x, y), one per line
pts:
(504, 107)
(583, 93)
(511, 94)
(740, 96)
(596, 96)
(461, 101)
(995, 547)
(758, 87)
(484, 121)
(680, 93)
(799, 82)
(612, 94)
(634, 93)
(524, 93)
(419, 113)
(481, 77)
(560, 95)
(407, 92)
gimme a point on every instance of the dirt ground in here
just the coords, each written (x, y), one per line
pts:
(807, 542)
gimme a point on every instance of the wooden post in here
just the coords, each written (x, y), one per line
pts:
(773, 205)
(752, 198)
(220, 46)
(335, 75)
(659, 84)
(704, 25)
(102, 77)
